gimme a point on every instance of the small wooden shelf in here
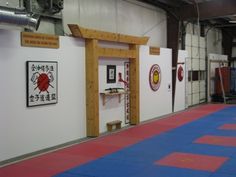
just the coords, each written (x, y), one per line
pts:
(107, 94)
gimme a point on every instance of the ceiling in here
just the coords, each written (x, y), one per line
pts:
(218, 13)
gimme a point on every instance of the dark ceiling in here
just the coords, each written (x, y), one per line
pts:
(217, 13)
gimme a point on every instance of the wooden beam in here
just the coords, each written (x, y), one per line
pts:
(208, 10)
(78, 31)
(116, 53)
(132, 39)
(92, 96)
(134, 87)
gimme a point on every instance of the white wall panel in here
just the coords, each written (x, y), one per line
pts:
(189, 64)
(112, 110)
(195, 64)
(189, 87)
(189, 100)
(196, 86)
(213, 42)
(188, 40)
(24, 130)
(189, 50)
(202, 64)
(202, 95)
(202, 53)
(202, 86)
(202, 42)
(195, 40)
(180, 89)
(196, 98)
(151, 103)
(195, 52)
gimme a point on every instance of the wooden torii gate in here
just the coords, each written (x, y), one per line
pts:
(93, 52)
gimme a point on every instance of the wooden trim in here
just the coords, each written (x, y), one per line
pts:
(29, 39)
(154, 50)
(116, 53)
(92, 96)
(133, 39)
(134, 87)
(93, 52)
(78, 31)
(75, 30)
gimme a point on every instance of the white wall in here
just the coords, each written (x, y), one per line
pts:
(180, 93)
(118, 16)
(24, 130)
(112, 110)
(214, 41)
(155, 104)
(196, 48)
(214, 37)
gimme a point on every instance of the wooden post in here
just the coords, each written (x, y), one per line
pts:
(134, 86)
(93, 52)
(92, 96)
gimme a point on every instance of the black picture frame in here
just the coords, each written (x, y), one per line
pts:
(39, 93)
(111, 73)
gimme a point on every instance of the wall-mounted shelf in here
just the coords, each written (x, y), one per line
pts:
(107, 94)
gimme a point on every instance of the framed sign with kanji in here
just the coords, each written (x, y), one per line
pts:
(41, 83)
(111, 73)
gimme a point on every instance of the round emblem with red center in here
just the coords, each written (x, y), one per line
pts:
(180, 73)
(155, 77)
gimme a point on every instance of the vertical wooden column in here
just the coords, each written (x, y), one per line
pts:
(134, 86)
(92, 96)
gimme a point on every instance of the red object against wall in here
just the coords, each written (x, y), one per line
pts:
(225, 71)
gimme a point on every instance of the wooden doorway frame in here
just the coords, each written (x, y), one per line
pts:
(93, 52)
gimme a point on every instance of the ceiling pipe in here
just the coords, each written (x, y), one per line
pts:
(19, 17)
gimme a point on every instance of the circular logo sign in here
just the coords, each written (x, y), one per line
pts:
(180, 73)
(155, 77)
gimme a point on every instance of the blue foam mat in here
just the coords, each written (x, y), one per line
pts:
(228, 167)
(162, 171)
(72, 175)
(110, 168)
(222, 175)
(138, 160)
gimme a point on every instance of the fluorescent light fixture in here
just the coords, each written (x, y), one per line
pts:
(232, 21)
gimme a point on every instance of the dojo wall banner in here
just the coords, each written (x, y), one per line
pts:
(41, 83)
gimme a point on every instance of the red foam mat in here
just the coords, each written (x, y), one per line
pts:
(192, 161)
(217, 140)
(228, 127)
(61, 160)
